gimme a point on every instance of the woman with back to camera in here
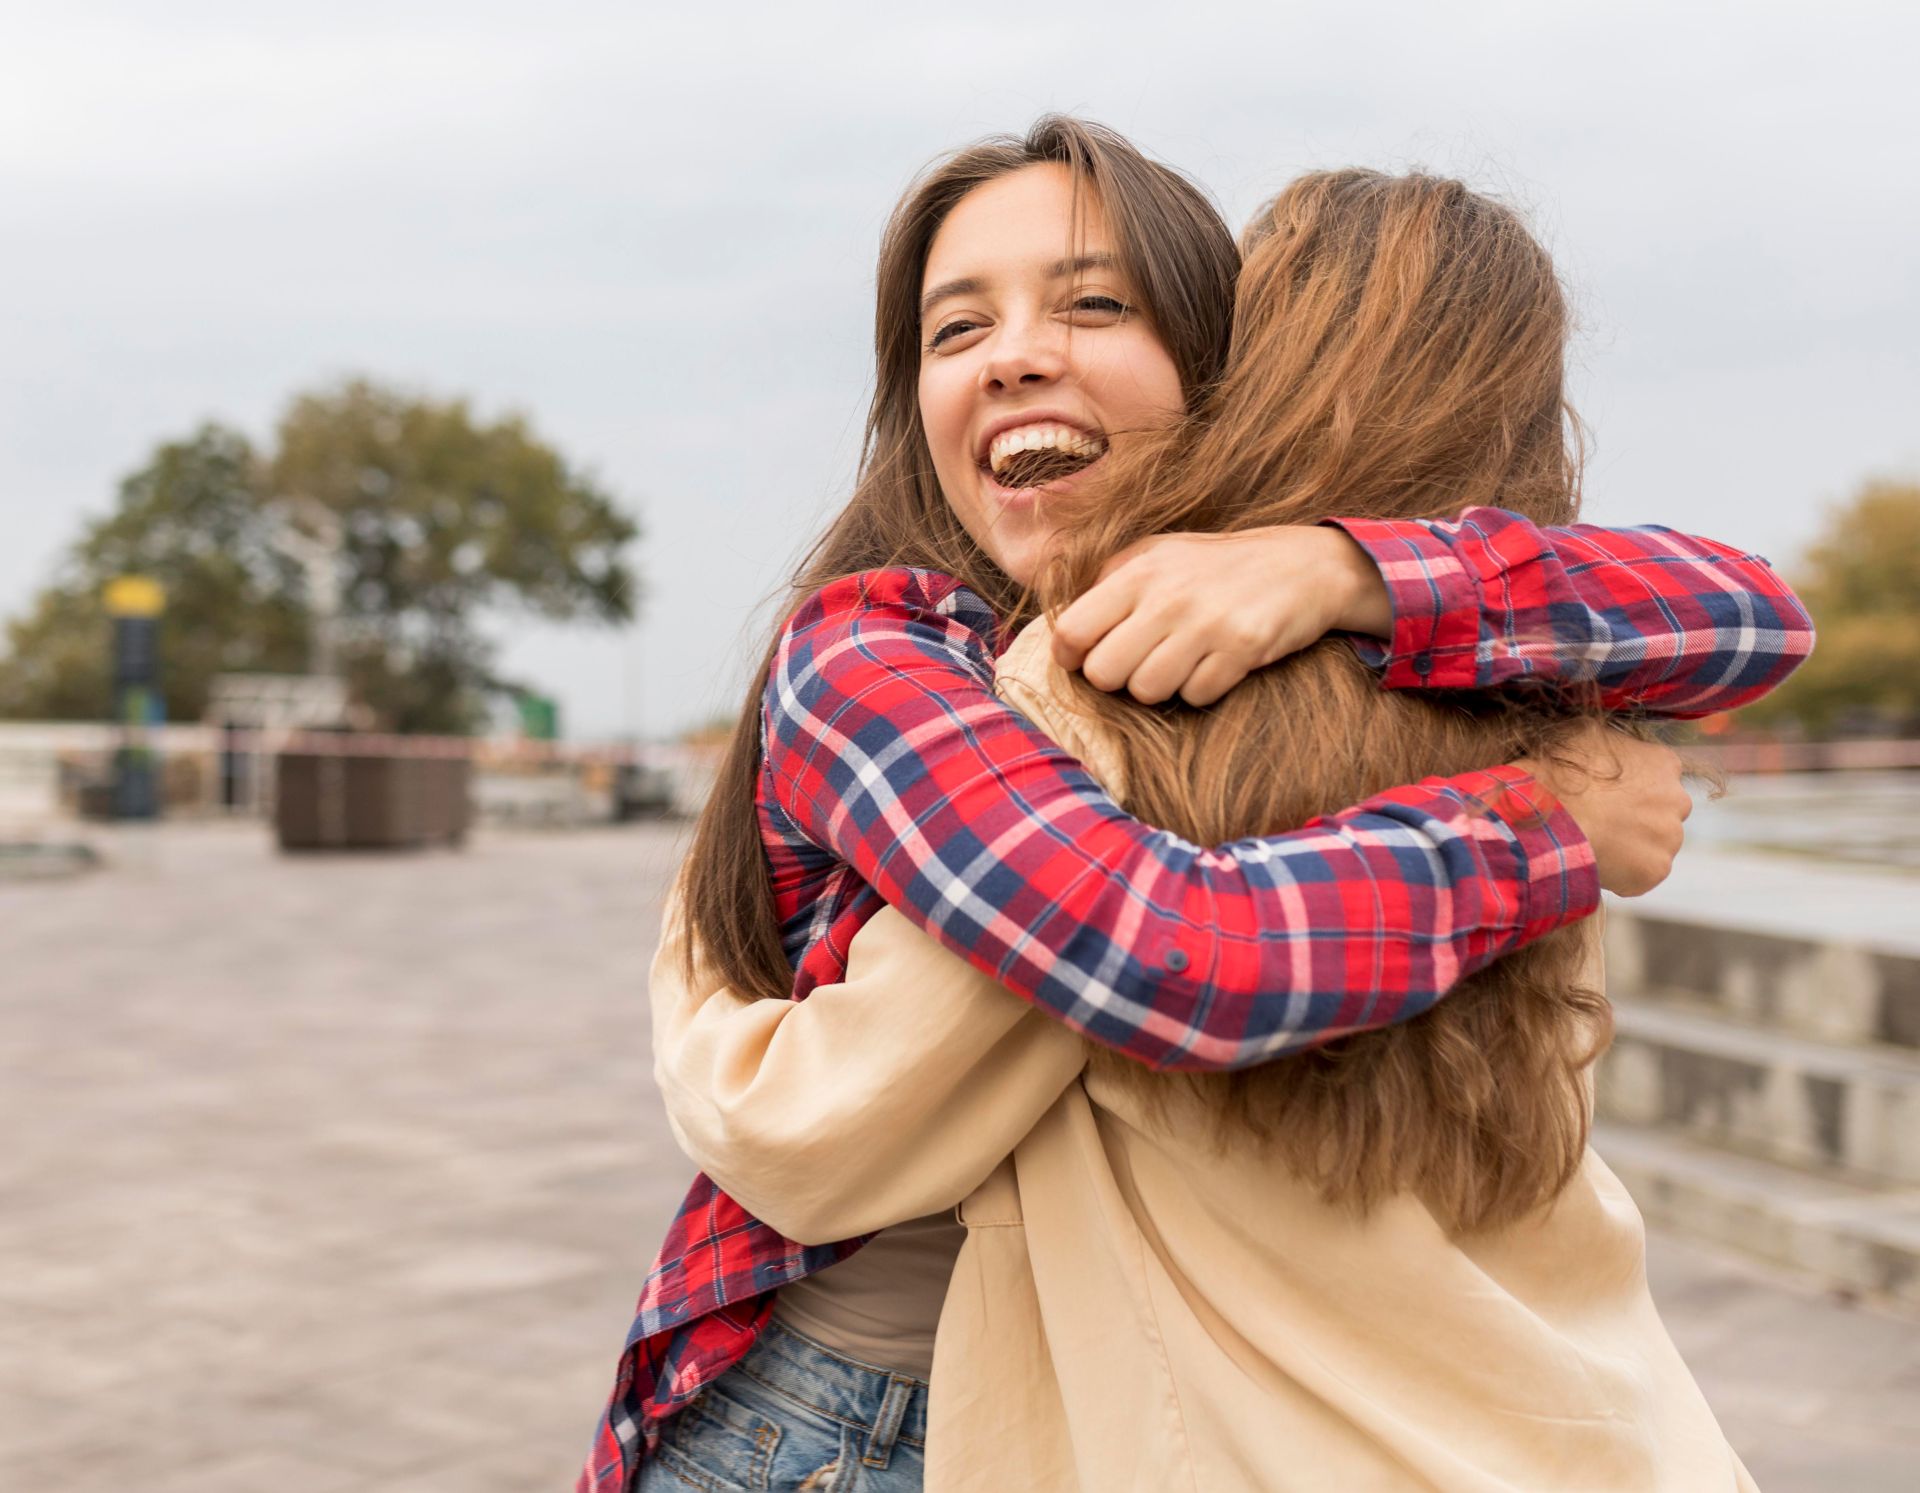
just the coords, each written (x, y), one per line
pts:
(892, 772)
(1391, 1262)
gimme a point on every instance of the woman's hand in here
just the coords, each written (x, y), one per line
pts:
(1627, 798)
(1194, 614)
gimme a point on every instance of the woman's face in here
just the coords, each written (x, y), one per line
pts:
(1035, 359)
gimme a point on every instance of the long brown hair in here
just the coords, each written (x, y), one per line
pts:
(1179, 255)
(1398, 352)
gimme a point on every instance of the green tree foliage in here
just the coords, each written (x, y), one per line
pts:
(443, 519)
(1861, 582)
(191, 519)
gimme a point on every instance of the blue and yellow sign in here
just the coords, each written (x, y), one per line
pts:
(134, 596)
(135, 603)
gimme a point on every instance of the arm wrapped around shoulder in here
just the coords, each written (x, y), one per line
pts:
(880, 1099)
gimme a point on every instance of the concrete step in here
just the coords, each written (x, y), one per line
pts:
(1844, 1234)
(1829, 990)
(1769, 1093)
(1819, 900)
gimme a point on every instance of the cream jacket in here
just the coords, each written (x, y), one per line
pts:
(1134, 1310)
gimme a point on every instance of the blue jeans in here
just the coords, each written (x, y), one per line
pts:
(793, 1415)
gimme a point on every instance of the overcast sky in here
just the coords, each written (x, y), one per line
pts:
(655, 235)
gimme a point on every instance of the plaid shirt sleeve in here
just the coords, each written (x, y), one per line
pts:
(887, 747)
(1652, 620)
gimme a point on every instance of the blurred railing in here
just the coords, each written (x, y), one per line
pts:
(1758, 756)
(53, 771)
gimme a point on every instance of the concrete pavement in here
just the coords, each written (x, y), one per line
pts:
(338, 1175)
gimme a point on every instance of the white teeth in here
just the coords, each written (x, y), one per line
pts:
(1042, 437)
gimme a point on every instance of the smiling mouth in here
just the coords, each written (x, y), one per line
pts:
(1035, 468)
(1022, 459)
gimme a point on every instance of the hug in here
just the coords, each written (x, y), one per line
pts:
(1132, 993)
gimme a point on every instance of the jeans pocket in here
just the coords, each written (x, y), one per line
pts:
(719, 1445)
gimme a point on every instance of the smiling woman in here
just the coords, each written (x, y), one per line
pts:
(1078, 298)
(1005, 317)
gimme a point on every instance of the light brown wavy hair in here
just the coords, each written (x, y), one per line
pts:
(1398, 352)
(1177, 252)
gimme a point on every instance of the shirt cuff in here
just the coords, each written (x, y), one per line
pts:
(1435, 601)
(1559, 882)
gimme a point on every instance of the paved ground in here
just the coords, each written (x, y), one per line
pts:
(338, 1175)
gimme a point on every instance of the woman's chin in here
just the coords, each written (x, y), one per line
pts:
(1018, 539)
(1012, 523)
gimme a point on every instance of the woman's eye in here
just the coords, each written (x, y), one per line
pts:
(948, 332)
(1105, 305)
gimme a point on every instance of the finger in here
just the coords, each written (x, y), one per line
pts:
(1210, 680)
(1093, 614)
(1125, 647)
(1165, 671)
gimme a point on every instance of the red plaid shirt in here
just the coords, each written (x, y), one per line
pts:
(894, 774)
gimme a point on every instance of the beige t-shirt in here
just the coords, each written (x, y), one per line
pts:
(1133, 1309)
(882, 1303)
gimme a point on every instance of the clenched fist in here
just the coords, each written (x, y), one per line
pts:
(1627, 798)
(1194, 614)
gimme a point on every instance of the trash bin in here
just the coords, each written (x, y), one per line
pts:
(446, 798)
(369, 801)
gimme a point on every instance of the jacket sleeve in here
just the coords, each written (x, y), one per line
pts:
(887, 748)
(1653, 621)
(885, 1097)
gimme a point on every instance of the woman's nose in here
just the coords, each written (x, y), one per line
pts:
(1024, 356)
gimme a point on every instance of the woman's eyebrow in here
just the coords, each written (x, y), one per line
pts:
(1060, 269)
(967, 286)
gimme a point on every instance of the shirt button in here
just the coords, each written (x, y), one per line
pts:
(1177, 960)
(1422, 665)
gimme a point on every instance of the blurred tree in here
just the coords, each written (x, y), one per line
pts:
(190, 518)
(1861, 582)
(441, 519)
